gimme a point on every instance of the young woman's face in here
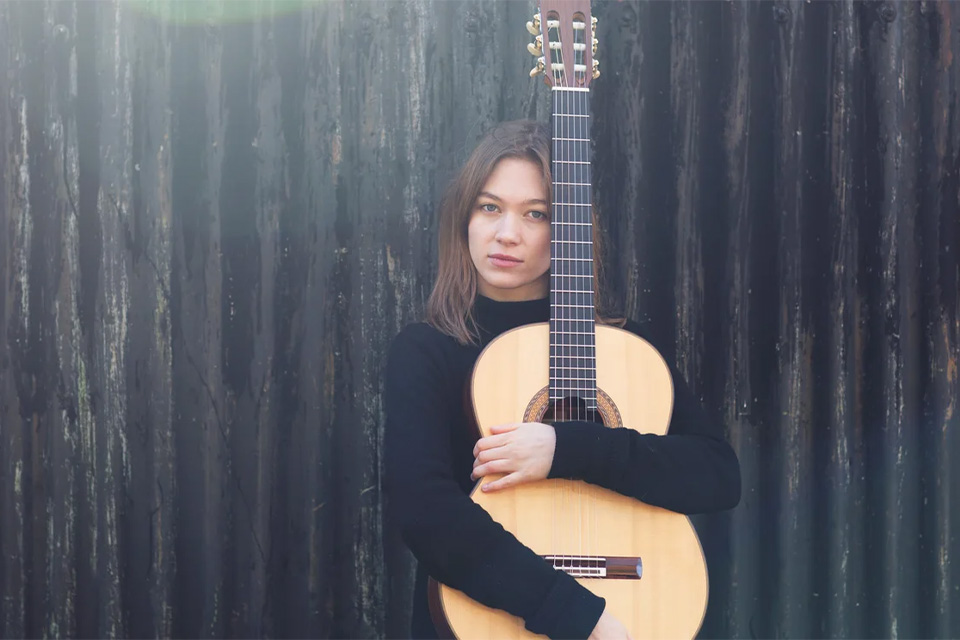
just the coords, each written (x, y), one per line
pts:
(509, 233)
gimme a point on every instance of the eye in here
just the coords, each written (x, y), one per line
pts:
(488, 207)
(538, 215)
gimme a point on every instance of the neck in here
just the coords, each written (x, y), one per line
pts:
(572, 313)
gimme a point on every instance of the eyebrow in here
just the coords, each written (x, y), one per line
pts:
(487, 194)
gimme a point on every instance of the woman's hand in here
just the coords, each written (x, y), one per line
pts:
(609, 627)
(522, 451)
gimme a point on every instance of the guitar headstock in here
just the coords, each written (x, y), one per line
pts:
(562, 47)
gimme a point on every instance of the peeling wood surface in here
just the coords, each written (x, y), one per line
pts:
(215, 216)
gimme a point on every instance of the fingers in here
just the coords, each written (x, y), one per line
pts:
(504, 428)
(505, 482)
(494, 453)
(494, 466)
(490, 442)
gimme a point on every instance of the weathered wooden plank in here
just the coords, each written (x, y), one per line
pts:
(16, 229)
(845, 466)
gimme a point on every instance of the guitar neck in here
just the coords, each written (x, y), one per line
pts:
(572, 339)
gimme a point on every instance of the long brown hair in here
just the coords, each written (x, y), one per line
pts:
(450, 306)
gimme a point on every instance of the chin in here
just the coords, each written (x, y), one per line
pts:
(505, 283)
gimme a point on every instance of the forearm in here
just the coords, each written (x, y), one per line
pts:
(686, 473)
(461, 546)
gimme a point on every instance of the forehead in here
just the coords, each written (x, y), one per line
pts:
(516, 177)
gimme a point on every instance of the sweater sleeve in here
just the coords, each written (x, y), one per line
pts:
(691, 469)
(455, 539)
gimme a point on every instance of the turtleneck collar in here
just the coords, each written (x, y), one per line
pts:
(495, 317)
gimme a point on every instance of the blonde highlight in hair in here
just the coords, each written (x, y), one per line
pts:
(450, 306)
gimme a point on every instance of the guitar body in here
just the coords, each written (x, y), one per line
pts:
(574, 519)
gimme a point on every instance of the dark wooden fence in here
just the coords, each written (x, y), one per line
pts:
(214, 217)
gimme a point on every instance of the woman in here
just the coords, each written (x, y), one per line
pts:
(493, 276)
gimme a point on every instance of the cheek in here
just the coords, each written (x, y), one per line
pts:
(543, 247)
(474, 237)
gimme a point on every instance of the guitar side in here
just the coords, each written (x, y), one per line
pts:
(576, 519)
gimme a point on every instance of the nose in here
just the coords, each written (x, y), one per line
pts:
(508, 229)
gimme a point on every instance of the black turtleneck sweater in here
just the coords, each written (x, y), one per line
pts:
(429, 458)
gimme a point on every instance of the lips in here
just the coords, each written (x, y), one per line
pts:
(501, 260)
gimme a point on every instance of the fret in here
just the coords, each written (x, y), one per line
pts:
(568, 378)
(572, 115)
(582, 89)
(568, 275)
(574, 306)
(571, 139)
(584, 292)
(571, 162)
(573, 333)
(573, 224)
(573, 174)
(572, 204)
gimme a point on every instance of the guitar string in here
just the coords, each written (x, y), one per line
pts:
(555, 272)
(589, 339)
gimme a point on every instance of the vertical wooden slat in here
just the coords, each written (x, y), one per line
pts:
(895, 66)
(199, 245)
(793, 454)
(141, 203)
(740, 145)
(16, 229)
(938, 230)
(844, 513)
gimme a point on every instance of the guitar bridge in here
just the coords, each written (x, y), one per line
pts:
(619, 567)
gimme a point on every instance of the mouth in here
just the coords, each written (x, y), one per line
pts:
(501, 260)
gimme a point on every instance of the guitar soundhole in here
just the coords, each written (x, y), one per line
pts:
(571, 409)
(541, 409)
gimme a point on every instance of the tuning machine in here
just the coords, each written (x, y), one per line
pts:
(536, 47)
(533, 26)
(540, 68)
(593, 31)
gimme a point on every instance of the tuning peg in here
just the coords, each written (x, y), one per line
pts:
(594, 46)
(596, 68)
(534, 26)
(537, 70)
(536, 48)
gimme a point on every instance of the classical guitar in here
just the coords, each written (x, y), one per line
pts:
(645, 561)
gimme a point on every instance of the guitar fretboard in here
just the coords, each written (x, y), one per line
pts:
(573, 371)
